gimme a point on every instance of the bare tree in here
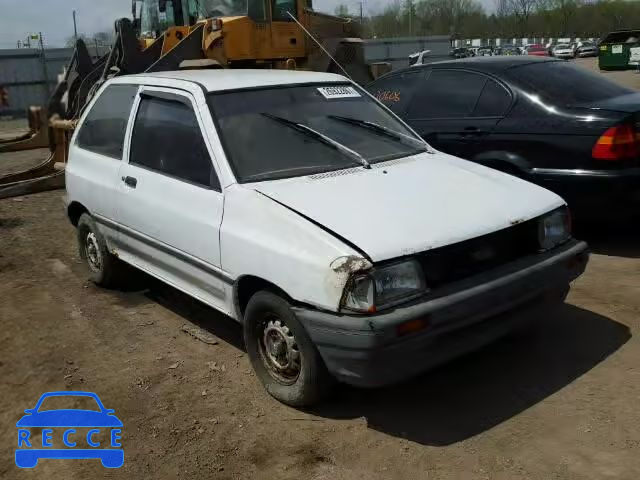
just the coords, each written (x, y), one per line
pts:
(522, 11)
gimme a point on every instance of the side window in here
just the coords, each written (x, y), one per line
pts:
(167, 138)
(447, 94)
(396, 91)
(257, 11)
(494, 101)
(105, 125)
(280, 9)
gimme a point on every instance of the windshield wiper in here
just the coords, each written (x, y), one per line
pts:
(402, 137)
(321, 138)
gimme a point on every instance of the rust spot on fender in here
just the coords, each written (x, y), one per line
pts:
(349, 265)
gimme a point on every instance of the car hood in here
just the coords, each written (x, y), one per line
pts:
(69, 418)
(411, 205)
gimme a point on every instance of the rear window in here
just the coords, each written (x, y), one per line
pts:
(566, 83)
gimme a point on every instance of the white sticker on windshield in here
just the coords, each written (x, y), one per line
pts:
(338, 92)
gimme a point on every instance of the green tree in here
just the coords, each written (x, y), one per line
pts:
(342, 10)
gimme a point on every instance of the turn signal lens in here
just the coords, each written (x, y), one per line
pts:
(617, 143)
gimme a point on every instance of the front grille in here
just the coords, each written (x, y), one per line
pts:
(461, 260)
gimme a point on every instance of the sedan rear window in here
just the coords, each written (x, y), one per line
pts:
(272, 133)
(566, 83)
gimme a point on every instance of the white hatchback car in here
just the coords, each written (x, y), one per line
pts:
(297, 204)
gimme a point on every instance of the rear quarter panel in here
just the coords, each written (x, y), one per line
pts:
(550, 136)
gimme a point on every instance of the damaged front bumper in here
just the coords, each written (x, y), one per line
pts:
(375, 350)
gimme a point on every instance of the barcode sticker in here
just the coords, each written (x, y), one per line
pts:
(338, 92)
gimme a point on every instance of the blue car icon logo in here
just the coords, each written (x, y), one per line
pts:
(36, 435)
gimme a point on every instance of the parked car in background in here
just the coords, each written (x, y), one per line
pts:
(563, 50)
(418, 57)
(299, 206)
(548, 121)
(485, 52)
(461, 52)
(537, 50)
(509, 50)
(586, 49)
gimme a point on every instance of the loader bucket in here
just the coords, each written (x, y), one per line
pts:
(37, 137)
(49, 174)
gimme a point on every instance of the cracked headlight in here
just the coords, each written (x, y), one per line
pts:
(383, 287)
(554, 228)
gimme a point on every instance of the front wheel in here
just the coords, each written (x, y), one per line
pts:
(283, 356)
(104, 268)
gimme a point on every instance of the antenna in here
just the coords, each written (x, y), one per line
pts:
(320, 45)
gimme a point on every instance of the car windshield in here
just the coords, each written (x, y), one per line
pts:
(69, 402)
(562, 46)
(273, 133)
(566, 82)
(587, 44)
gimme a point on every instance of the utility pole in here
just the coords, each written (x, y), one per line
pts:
(75, 27)
(361, 16)
(45, 72)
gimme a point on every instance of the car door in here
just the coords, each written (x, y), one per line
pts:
(170, 205)
(396, 90)
(96, 153)
(441, 111)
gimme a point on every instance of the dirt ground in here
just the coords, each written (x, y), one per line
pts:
(557, 402)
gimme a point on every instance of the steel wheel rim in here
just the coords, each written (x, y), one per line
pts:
(92, 251)
(279, 351)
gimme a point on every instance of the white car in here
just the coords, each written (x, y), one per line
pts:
(564, 51)
(298, 205)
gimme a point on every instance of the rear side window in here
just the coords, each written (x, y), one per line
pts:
(105, 125)
(396, 91)
(493, 102)
(447, 94)
(566, 83)
(167, 138)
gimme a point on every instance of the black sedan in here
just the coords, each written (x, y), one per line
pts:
(545, 120)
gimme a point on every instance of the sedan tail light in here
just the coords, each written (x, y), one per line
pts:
(618, 143)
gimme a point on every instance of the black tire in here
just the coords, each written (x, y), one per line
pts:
(106, 271)
(303, 386)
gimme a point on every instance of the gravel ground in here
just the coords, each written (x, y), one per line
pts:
(558, 401)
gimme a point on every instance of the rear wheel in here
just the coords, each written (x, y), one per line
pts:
(104, 268)
(283, 356)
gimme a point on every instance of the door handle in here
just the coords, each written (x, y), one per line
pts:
(473, 131)
(130, 181)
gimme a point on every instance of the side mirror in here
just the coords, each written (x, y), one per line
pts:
(29, 410)
(109, 411)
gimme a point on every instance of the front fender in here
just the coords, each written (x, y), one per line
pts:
(264, 239)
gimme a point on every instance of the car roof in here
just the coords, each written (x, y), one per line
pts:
(231, 79)
(485, 64)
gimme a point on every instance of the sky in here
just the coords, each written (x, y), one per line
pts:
(54, 17)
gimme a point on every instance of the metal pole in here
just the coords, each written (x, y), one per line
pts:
(44, 67)
(75, 27)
